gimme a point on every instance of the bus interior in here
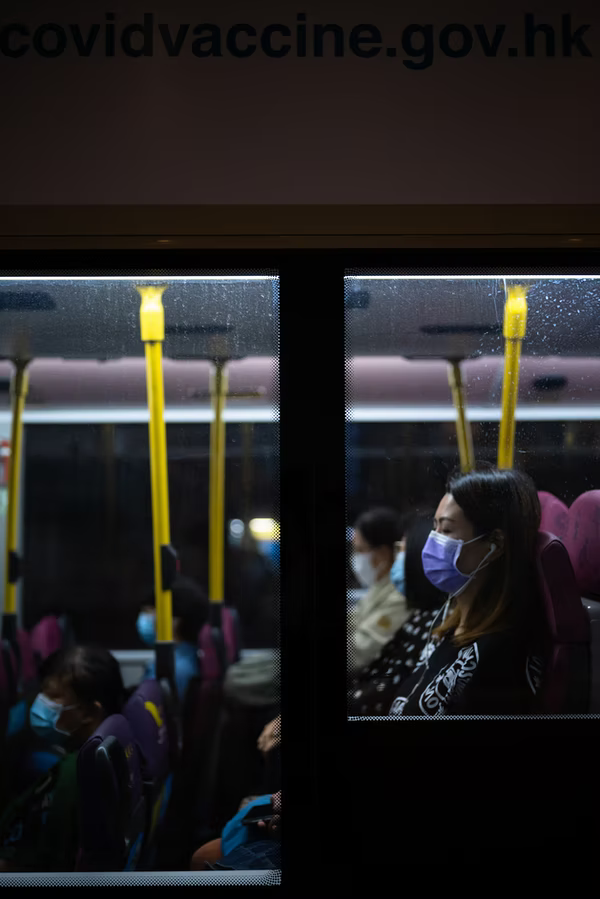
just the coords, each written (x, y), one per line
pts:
(436, 379)
(139, 441)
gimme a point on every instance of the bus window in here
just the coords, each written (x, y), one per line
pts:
(404, 334)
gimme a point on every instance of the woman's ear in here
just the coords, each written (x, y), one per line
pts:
(497, 544)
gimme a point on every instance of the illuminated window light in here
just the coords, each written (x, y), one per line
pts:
(264, 529)
(236, 528)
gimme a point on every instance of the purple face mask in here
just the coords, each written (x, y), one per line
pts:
(440, 555)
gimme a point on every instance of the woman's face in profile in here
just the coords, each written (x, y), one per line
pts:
(451, 521)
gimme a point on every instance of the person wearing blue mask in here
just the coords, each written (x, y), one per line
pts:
(481, 658)
(372, 689)
(190, 610)
(81, 686)
(376, 617)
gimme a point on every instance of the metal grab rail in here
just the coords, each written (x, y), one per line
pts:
(515, 320)
(463, 426)
(152, 321)
(19, 388)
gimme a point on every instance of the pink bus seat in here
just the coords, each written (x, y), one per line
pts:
(583, 542)
(46, 637)
(555, 515)
(566, 680)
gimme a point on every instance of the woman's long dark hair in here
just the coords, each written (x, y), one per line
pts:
(506, 501)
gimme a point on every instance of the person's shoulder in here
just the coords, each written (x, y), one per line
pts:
(186, 655)
(500, 648)
(501, 640)
(391, 596)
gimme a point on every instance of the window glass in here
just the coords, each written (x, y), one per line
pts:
(407, 337)
(86, 521)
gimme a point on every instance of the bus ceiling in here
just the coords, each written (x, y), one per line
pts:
(98, 318)
(449, 318)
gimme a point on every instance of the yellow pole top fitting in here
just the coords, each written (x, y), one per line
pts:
(20, 381)
(152, 313)
(455, 375)
(515, 312)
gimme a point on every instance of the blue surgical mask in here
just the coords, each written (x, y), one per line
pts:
(146, 628)
(397, 575)
(43, 715)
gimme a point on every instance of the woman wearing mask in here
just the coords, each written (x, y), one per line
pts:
(373, 688)
(481, 552)
(81, 687)
(377, 615)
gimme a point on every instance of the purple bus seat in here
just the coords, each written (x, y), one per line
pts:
(46, 637)
(200, 719)
(28, 666)
(566, 680)
(583, 542)
(23, 668)
(155, 735)
(8, 662)
(555, 515)
(231, 629)
(5, 698)
(211, 667)
(111, 800)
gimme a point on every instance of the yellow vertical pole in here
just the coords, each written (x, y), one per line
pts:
(152, 319)
(247, 440)
(216, 493)
(20, 384)
(515, 321)
(463, 426)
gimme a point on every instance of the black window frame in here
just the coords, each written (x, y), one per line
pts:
(375, 784)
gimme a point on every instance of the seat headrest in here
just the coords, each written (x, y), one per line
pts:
(46, 637)
(10, 673)
(146, 714)
(562, 609)
(28, 667)
(105, 760)
(583, 541)
(207, 640)
(555, 515)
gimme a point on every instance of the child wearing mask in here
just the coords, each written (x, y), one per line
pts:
(81, 686)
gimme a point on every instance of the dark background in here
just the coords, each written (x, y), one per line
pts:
(88, 524)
